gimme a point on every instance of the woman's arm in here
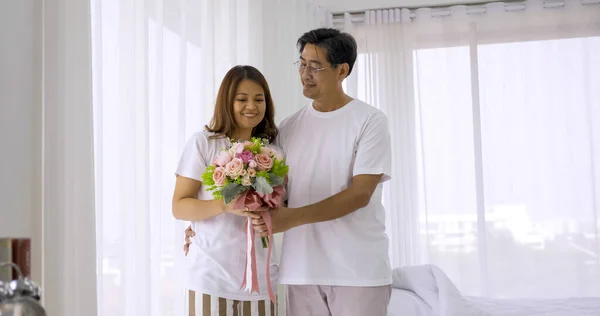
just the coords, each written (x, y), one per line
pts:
(185, 205)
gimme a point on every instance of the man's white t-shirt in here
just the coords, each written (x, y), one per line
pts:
(325, 150)
(216, 260)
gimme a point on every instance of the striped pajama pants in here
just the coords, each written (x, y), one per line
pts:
(209, 305)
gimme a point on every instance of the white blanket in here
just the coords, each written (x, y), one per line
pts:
(432, 285)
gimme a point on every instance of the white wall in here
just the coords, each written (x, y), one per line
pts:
(361, 5)
(20, 123)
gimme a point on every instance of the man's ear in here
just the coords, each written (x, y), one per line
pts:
(343, 70)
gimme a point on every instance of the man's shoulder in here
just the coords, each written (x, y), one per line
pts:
(287, 124)
(367, 110)
(292, 118)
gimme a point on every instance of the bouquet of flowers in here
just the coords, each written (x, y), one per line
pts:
(257, 173)
(252, 169)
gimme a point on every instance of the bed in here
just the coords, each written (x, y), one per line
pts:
(427, 291)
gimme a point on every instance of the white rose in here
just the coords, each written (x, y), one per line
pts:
(246, 181)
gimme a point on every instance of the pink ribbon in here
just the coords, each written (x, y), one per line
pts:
(254, 201)
(273, 200)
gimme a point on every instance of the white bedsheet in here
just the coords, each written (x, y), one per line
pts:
(406, 303)
(436, 290)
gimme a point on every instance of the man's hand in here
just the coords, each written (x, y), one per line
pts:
(188, 233)
(281, 220)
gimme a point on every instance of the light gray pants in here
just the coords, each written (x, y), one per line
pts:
(325, 300)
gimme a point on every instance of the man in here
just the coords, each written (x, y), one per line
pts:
(334, 257)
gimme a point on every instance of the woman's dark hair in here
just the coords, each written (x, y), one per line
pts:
(223, 120)
(341, 47)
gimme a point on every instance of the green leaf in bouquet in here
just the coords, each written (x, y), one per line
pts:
(231, 191)
(275, 180)
(264, 174)
(238, 180)
(256, 145)
(280, 168)
(216, 191)
(207, 176)
(217, 195)
(262, 186)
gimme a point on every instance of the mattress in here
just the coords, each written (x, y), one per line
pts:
(533, 307)
(427, 291)
(407, 303)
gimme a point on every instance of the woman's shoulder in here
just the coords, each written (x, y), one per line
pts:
(208, 136)
(207, 140)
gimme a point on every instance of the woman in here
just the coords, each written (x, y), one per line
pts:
(216, 257)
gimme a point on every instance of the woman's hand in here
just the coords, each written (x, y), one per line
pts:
(188, 234)
(245, 212)
(227, 208)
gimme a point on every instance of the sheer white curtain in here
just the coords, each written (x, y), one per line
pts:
(495, 115)
(67, 160)
(157, 68)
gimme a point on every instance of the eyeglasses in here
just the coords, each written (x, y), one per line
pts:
(311, 69)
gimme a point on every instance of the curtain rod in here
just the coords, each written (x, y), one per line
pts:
(434, 6)
(444, 10)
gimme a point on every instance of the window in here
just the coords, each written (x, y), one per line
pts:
(539, 153)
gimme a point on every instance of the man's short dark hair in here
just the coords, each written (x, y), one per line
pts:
(340, 47)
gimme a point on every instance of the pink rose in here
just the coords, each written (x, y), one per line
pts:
(234, 167)
(263, 162)
(245, 155)
(223, 158)
(219, 176)
(252, 172)
(243, 172)
(248, 143)
(252, 164)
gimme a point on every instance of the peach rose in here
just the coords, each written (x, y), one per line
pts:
(277, 155)
(252, 172)
(263, 162)
(234, 167)
(274, 154)
(223, 158)
(267, 151)
(219, 176)
(243, 172)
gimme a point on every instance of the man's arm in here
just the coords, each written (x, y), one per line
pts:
(353, 198)
(357, 196)
(372, 166)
